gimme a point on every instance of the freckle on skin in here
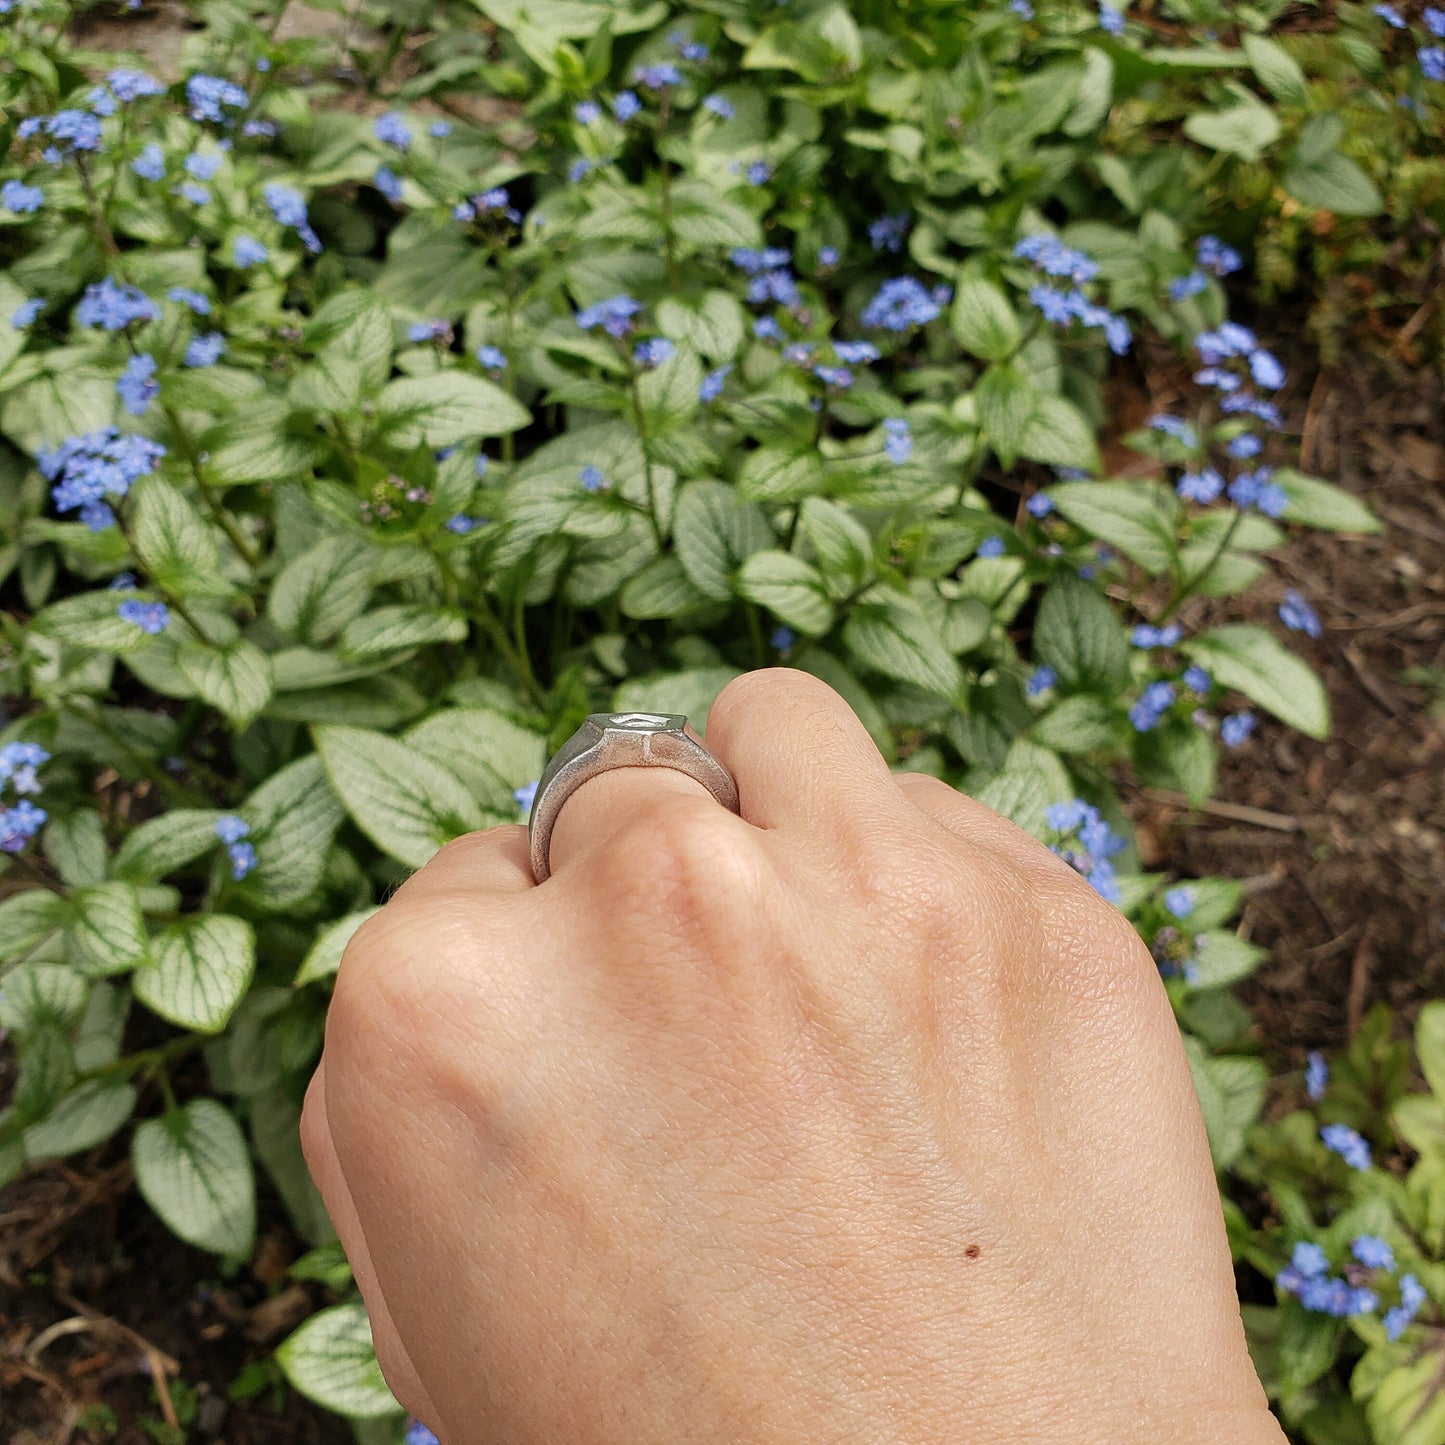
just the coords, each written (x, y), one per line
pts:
(972, 1252)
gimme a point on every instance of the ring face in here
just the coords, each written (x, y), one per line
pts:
(620, 740)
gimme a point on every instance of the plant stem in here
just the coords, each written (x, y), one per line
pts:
(222, 518)
(1186, 586)
(97, 216)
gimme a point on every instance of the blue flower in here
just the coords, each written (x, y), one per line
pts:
(88, 469)
(1317, 1074)
(587, 112)
(1256, 489)
(75, 130)
(828, 257)
(1432, 61)
(1040, 680)
(461, 525)
(18, 762)
(438, 329)
(613, 315)
(388, 183)
(196, 195)
(243, 859)
(196, 300)
(1203, 486)
(1229, 339)
(202, 167)
(1039, 505)
(835, 378)
(416, 1432)
(288, 206)
(498, 200)
(887, 233)
(439, 129)
(720, 106)
(492, 357)
(247, 252)
(525, 794)
(1183, 287)
(1390, 16)
(1372, 1252)
(25, 313)
(626, 105)
(653, 352)
(778, 286)
(856, 353)
(712, 384)
(232, 828)
(1081, 820)
(1173, 426)
(1155, 701)
(391, 129)
(1435, 21)
(758, 173)
(1266, 370)
(1412, 1296)
(1048, 254)
(1235, 730)
(657, 77)
(129, 85)
(206, 349)
(136, 386)
(782, 638)
(150, 164)
(114, 307)
(1310, 1260)
(151, 617)
(897, 440)
(766, 328)
(1244, 446)
(207, 95)
(1298, 615)
(19, 824)
(1215, 256)
(993, 546)
(1144, 635)
(1197, 680)
(1021, 8)
(20, 198)
(1349, 1145)
(1180, 901)
(901, 304)
(593, 479)
(1110, 19)
(253, 128)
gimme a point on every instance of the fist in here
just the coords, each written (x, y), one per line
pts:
(857, 1117)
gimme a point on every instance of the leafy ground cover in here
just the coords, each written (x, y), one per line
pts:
(464, 373)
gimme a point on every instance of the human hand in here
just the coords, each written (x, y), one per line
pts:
(857, 1117)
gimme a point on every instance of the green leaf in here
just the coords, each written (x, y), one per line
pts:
(1225, 958)
(332, 1361)
(171, 542)
(1333, 182)
(714, 324)
(1079, 725)
(198, 971)
(1308, 1344)
(85, 1117)
(702, 219)
(76, 846)
(194, 1170)
(46, 1069)
(41, 995)
(1231, 1093)
(1136, 517)
(323, 958)
(791, 589)
(780, 473)
(165, 843)
(1246, 130)
(1430, 1046)
(1021, 795)
(1408, 1408)
(893, 637)
(1007, 402)
(1059, 435)
(715, 533)
(316, 594)
(983, 320)
(107, 934)
(1277, 69)
(390, 629)
(405, 802)
(28, 919)
(490, 753)
(1254, 662)
(661, 589)
(841, 543)
(1078, 634)
(253, 445)
(446, 408)
(667, 394)
(235, 679)
(1314, 503)
(90, 621)
(293, 816)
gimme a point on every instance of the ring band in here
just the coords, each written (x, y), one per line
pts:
(608, 740)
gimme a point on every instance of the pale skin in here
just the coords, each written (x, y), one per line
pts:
(857, 1117)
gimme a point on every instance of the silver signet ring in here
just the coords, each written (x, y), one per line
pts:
(620, 740)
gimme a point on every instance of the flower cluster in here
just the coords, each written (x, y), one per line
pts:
(151, 617)
(1211, 258)
(905, 302)
(23, 200)
(233, 832)
(1049, 255)
(288, 206)
(495, 202)
(114, 306)
(1086, 843)
(210, 96)
(1351, 1146)
(771, 275)
(613, 315)
(1307, 1277)
(86, 470)
(21, 819)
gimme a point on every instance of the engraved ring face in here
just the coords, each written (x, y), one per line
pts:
(620, 740)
